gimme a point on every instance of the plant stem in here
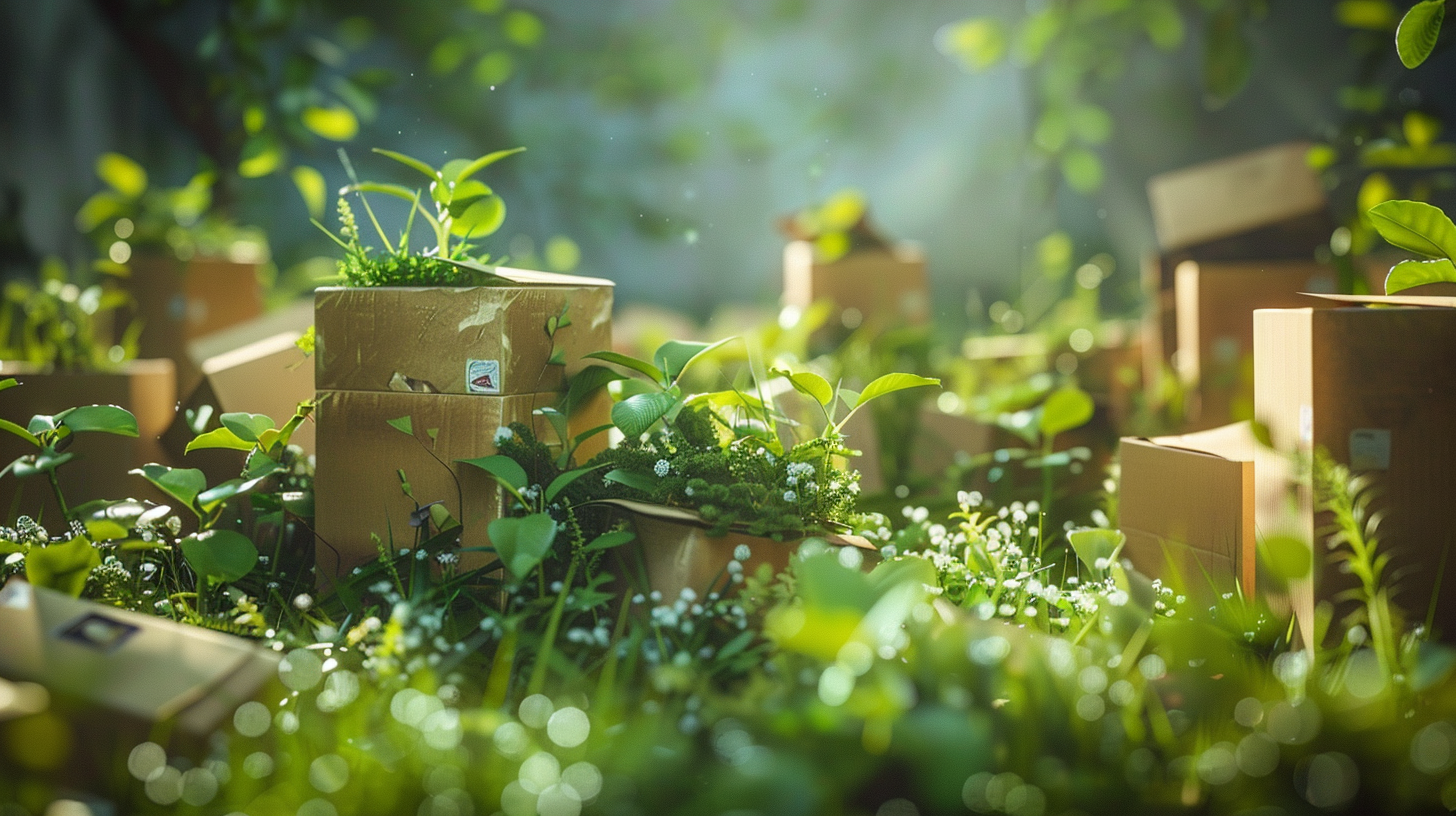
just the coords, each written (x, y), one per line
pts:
(548, 641)
(60, 499)
(1046, 476)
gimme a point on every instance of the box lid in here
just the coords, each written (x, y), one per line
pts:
(1229, 196)
(530, 277)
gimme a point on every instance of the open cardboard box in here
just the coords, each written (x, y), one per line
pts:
(118, 678)
(1186, 504)
(1376, 388)
(460, 363)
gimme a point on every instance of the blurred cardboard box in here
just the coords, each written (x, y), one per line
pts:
(146, 388)
(1214, 305)
(460, 363)
(113, 676)
(1186, 504)
(1376, 388)
(887, 287)
(179, 302)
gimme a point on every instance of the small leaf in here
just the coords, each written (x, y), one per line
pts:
(99, 419)
(10, 427)
(1066, 408)
(260, 157)
(311, 186)
(124, 175)
(210, 498)
(62, 567)
(890, 383)
(586, 383)
(522, 542)
(606, 541)
(182, 484)
(1227, 58)
(641, 366)
(676, 356)
(1082, 170)
(503, 468)
(977, 43)
(1407, 274)
(810, 384)
(636, 481)
(637, 414)
(218, 438)
(1371, 15)
(565, 480)
(1093, 545)
(1416, 35)
(221, 555)
(1415, 226)
(409, 161)
(248, 427)
(404, 425)
(485, 161)
(1286, 557)
(483, 217)
(336, 123)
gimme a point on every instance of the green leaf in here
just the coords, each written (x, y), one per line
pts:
(810, 384)
(1091, 123)
(636, 481)
(1226, 56)
(124, 175)
(1416, 35)
(260, 157)
(485, 161)
(641, 366)
(1415, 226)
(410, 161)
(676, 356)
(977, 43)
(1066, 408)
(559, 422)
(522, 542)
(586, 383)
(1286, 557)
(335, 123)
(27, 466)
(637, 414)
(248, 427)
(218, 438)
(1372, 15)
(890, 383)
(404, 425)
(1082, 170)
(10, 427)
(221, 555)
(62, 567)
(564, 480)
(210, 498)
(503, 468)
(1093, 544)
(397, 190)
(182, 484)
(311, 186)
(607, 541)
(99, 419)
(1407, 274)
(481, 218)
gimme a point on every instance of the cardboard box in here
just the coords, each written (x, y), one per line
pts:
(886, 286)
(1377, 389)
(1235, 195)
(99, 471)
(1186, 504)
(179, 302)
(1215, 305)
(113, 675)
(489, 340)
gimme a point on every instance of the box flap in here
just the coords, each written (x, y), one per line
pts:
(1435, 301)
(530, 276)
(1235, 442)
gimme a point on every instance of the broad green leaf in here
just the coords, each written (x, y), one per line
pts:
(1066, 408)
(641, 366)
(675, 356)
(481, 218)
(10, 427)
(122, 174)
(1407, 274)
(586, 383)
(977, 43)
(27, 466)
(503, 468)
(1416, 226)
(606, 541)
(565, 480)
(485, 161)
(40, 423)
(1286, 557)
(99, 419)
(247, 426)
(311, 186)
(1093, 545)
(221, 555)
(62, 567)
(627, 478)
(397, 190)
(260, 157)
(335, 123)
(404, 425)
(522, 542)
(1416, 35)
(558, 420)
(635, 415)
(210, 498)
(218, 438)
(890, 383)
(810, 384)
(410, 161)
(182, 484)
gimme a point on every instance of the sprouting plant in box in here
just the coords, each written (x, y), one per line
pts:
(57, 325)
(457, 207)
(134, 214)
(1423, 229)
(836, 227)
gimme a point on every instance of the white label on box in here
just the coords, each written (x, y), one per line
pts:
(1306, 424)
(1370, 449)
(483, 376)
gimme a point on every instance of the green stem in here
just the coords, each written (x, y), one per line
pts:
(1046, 477)
(606, 684)
(548, 641)
(60, 499)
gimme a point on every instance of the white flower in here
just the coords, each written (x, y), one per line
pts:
(303, 602)
(742, 552)
(791, 480)
(688, 491)
(790, 496)
(503, 434)
(662, 468)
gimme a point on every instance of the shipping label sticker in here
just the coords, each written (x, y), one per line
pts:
(483, 376)
(1370, 449)
(100, 632)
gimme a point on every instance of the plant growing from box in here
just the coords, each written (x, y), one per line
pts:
(56, 325)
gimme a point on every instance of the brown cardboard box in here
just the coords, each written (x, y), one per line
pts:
(1186, 504)
(888, 286)
(1215, 303)
(179, 302)
(472, 340)
(113, 675)
(1377, 389)
(1222, 198)
(99, 471)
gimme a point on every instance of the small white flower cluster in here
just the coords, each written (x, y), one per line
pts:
(503, 434)
(682, 626)
(662, 468)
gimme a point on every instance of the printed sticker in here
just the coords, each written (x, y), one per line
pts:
(99, 632)
(1370, 449)
(483, 376)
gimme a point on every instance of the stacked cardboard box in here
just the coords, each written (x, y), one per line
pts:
(459, 363)
(885, 287)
